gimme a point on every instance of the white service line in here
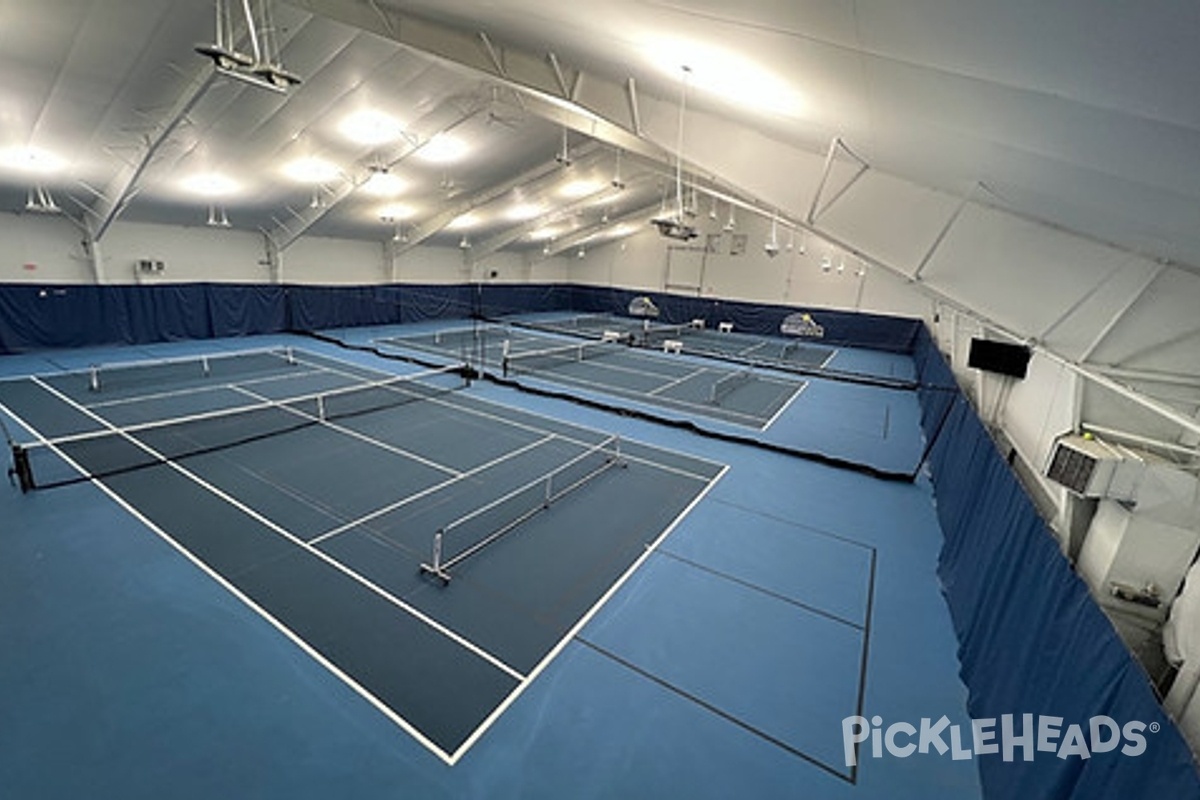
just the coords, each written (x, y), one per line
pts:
(362, 437)
(222, 581)
(463, 409)
(677, 381)
(583, 620)
(280, 530)
(390, 507)
(199, 389)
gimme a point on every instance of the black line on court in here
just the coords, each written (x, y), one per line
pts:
(707, 706)
(756, 588)
(792, 523)
(862, 670)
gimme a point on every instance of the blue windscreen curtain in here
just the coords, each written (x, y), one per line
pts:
(1031, 639)
(874, 331)
(36, 317)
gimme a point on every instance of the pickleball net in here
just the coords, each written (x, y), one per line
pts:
(110, 450)
(471, 533)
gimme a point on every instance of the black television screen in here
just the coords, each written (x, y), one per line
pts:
(1001, 357)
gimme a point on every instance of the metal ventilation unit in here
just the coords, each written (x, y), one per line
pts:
(1087, 466)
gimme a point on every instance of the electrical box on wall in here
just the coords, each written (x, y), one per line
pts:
(150, 266)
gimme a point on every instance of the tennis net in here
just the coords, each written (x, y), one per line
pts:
(138, 374)
(727, 383)
(111, 450)
(554, 357)
(657, 334)
(471, 533)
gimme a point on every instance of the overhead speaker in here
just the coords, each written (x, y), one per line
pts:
(999, 357)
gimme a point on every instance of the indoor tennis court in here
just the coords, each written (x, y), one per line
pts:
(528, 400)
(287, 478)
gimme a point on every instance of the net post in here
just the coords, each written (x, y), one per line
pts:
(549, 491)
(437, 552)
(204, 366)
(21, 469)
(321, 407)
(289, 356)
(93, 378)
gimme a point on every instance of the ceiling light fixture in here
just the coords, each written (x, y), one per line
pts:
(381, 183)
(771, 248)
(442, 149)
(616, 181)
(371, 127)
(263, 68)
(523, 212)
(731, 223)
(31, 160)
(211, 184)
(40, 201)
(217, 217)
(578, 189)
(464, 222)
(311, 169)
(396, 211)
(564, 154)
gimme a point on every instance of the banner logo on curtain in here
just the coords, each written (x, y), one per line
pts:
(1007, 737)
(642, 306)
(801, 323)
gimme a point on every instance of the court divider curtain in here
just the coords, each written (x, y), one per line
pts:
(1031, 639)
(876, 331)
(34, 317)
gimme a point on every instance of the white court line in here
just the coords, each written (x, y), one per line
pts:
(554, 376)
(258, 517)
(533, 429)
(785, 406)
(677, 381)
(523, 681)
(191, 390)
(583, 620)
(337, 672)
(390, 507)
(362, 437)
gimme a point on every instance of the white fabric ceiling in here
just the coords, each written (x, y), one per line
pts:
(1071, 128)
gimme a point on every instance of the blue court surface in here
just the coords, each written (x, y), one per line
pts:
(266, 568)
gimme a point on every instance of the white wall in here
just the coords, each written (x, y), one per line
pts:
(794, 277)
(42, 249)
(188, 254)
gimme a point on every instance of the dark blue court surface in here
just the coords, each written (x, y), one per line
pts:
(693, 619)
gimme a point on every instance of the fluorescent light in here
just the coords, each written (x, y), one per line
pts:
(442, 149)
(370, 126)
(384, 184)
(211, 184)
(580, 188)
(523, 212)
(396, 211)
(731, 76)
(465, 222)
(311, 169)
(33, 160)
(544, 234)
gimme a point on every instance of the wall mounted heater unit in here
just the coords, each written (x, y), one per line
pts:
(1089, 467)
